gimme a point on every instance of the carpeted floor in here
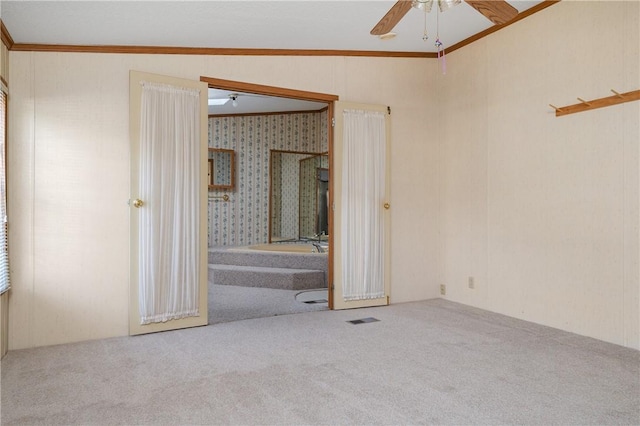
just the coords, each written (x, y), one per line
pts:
(232, 303)
(430, 362)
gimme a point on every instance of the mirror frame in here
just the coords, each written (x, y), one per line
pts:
(271, 207)
(211, 163)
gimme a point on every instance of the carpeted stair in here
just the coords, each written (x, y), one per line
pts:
(258, 276)
(251, 268)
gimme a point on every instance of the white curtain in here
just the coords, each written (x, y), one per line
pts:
(169, 187)
(363, 192)
(4, 243)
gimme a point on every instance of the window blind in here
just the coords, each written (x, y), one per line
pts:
(4, 241)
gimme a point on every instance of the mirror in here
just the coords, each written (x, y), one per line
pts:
(221, 168)
(314, 196)
(299, 194)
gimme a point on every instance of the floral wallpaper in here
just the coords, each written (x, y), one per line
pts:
(244, 219)
(287, 208)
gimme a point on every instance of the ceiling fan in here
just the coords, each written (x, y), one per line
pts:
(497, 11)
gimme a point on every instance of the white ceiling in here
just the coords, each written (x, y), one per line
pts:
(300, 25)
(251, 103)
(307, 24)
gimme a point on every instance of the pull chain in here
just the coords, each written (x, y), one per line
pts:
(441, 57)
(425, 36)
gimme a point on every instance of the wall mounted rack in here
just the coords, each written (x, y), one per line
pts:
(224, 197)
(616, 98)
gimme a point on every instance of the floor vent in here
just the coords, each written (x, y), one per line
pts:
(363, 320)
(312, 302)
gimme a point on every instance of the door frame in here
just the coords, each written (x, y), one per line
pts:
(282, 92)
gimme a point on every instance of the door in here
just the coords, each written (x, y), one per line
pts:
(354, 238)
(150, 205)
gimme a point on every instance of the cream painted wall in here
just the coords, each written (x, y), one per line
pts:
(69, 175)
(543, 211)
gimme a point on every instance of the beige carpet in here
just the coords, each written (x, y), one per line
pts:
(233, 303)
(431, 362)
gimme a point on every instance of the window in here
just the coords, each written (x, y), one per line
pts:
(4, 245)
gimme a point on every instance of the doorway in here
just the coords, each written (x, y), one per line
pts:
(308, 300)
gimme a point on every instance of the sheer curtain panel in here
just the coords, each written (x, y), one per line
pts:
(363, 191)
(4, 242)
(169, 184)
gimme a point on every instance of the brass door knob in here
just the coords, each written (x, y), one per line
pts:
(137, 203)
(387, 206)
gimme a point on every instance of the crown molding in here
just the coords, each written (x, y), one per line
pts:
(256, 114)
(5, 36)
(535, 9)
(168, 50)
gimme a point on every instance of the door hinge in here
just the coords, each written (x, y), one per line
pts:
(389, 110)
(333, 122)
(332, 287)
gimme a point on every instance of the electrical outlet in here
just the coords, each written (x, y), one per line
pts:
(443, 289)
(471, 283)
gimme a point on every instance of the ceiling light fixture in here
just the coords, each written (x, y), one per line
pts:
(222, 101)
(426, 5)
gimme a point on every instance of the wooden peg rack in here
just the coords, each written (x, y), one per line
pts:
(616, 98)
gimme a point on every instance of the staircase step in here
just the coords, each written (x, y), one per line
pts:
(249, 257)
(266, 277)
(258, 258)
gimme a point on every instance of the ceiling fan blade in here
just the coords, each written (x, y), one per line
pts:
(391, 19)
(497, 11)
